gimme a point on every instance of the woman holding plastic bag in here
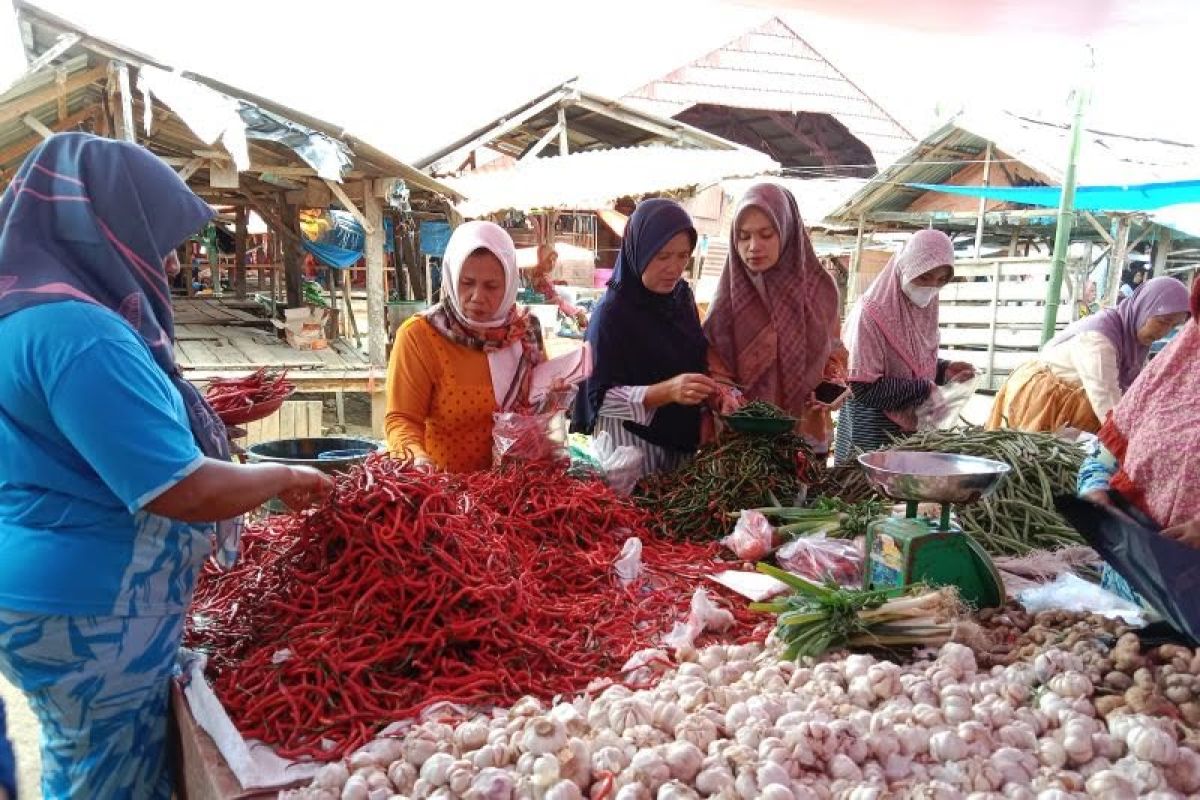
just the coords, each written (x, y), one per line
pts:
(892, 335)
(773, 327)
(1150, 444)
(1080, 375)
(467, 358)
(649, 380)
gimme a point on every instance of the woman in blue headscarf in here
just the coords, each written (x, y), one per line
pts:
(113, 469)
(649, 351)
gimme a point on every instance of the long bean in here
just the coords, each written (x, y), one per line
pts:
(1020, 516)
(739, 471)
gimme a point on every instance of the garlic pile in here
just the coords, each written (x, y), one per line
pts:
(735, 722)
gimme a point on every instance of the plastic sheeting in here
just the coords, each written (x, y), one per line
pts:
(1139, 197)
(343, 243)
(214, 116)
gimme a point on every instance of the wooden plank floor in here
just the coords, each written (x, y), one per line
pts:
(218, 311)
(204, 352)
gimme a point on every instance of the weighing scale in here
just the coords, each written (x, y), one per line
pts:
(905, 550)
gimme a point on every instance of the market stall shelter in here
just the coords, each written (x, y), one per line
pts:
(993, 319)
(239, 152)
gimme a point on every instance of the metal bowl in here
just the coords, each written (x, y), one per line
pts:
(932, 477)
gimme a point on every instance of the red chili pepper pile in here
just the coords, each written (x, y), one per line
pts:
(410, 589)
(235, 394)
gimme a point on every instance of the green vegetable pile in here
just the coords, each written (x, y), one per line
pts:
(1020, 516)
(759, 410)
(834, 518)
(737, 471)
(815, 618)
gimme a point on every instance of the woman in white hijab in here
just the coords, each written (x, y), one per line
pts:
(466, 358)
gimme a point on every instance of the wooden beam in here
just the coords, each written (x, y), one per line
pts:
(60, 80)
(189, 167)
(987, 180)
(21, 106)
(22, 147)
(129, 133)
(292, 254)
(61, 45)
(1095, 223)
(239, 250)
(564, 144)
(1162, 250)
(855, 266)
(540, 145)
(501, 127)
(1116, 261)
(273, 220)
(634, 120)
(35, 124)
(377, 322)
(345, 200)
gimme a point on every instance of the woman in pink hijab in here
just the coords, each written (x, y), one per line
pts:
(892, 335)
(773, 326)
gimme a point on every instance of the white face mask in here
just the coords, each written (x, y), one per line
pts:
(921, 296)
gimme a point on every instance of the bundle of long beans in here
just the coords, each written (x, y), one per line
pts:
(1020, 516)
(736, 472)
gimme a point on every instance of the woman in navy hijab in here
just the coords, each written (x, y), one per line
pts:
(649, 351)
(115, 479)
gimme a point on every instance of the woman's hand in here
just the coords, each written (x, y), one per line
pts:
(307, 487)
(688, 389)
(691, 389)
(1187, 533)
(959, 372)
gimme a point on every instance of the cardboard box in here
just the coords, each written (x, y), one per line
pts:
(304, 328)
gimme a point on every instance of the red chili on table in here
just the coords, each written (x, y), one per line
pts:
(409, 589)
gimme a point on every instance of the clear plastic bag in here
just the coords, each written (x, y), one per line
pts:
(752, 536)
(622, 466)
(518, 437)
(820, 559)
(704, 615)
(945, 403)
(628, 565)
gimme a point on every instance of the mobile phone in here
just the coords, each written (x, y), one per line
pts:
(829, 393)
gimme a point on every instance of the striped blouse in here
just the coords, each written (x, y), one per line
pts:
(628, 404)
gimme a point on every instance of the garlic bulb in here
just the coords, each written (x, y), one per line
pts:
(1111, 785)
(544, 735)
(684, 759)
(947, 746)
(1152, 744)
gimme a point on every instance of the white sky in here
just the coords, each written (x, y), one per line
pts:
(413, 75)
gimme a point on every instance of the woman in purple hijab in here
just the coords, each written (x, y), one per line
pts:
(115, 478)
(1081, 374)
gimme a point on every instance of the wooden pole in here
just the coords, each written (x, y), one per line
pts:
(377, 332)
(293, 272)
(1116, 261)
(128, 132)
(563, 143)
(991, 356)
(239, 250)
(987, 176)
(1162, 249)
(855, 266)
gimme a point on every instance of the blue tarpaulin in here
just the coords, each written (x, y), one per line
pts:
(342, 246)
(434, 236)
(1137, 197)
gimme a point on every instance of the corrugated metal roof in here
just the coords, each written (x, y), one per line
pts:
(171, 138)
(598, 178)
(773, 68)
(1041, 146)
(816, 197)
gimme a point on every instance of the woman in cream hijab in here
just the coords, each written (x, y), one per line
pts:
(466, 358)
